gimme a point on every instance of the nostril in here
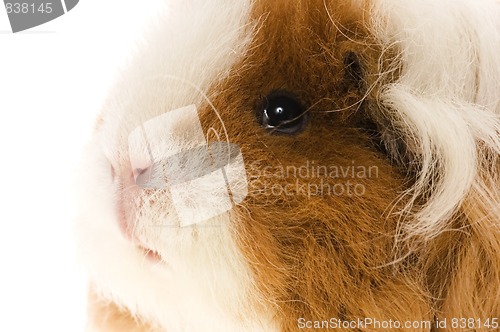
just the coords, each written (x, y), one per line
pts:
(142, 176)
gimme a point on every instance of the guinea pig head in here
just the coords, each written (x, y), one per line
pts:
(253, 171)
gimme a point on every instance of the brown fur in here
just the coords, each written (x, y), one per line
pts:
(323, 256)
(108, 317)
(333, 256)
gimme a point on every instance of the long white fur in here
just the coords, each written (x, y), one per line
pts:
(446, 104)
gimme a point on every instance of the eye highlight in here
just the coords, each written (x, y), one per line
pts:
(281, 112)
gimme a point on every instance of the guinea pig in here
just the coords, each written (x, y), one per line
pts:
(276, 165)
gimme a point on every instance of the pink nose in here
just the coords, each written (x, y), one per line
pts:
(128, 178)
(142, 175)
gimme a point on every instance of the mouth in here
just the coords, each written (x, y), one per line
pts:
(150, 254)
(126, 226)
(127, 231)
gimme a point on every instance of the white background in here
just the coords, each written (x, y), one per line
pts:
(53, 79)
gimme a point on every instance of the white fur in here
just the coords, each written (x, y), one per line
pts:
(204, 283)
(446, 104)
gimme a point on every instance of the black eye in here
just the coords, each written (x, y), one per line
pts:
(283, 113)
